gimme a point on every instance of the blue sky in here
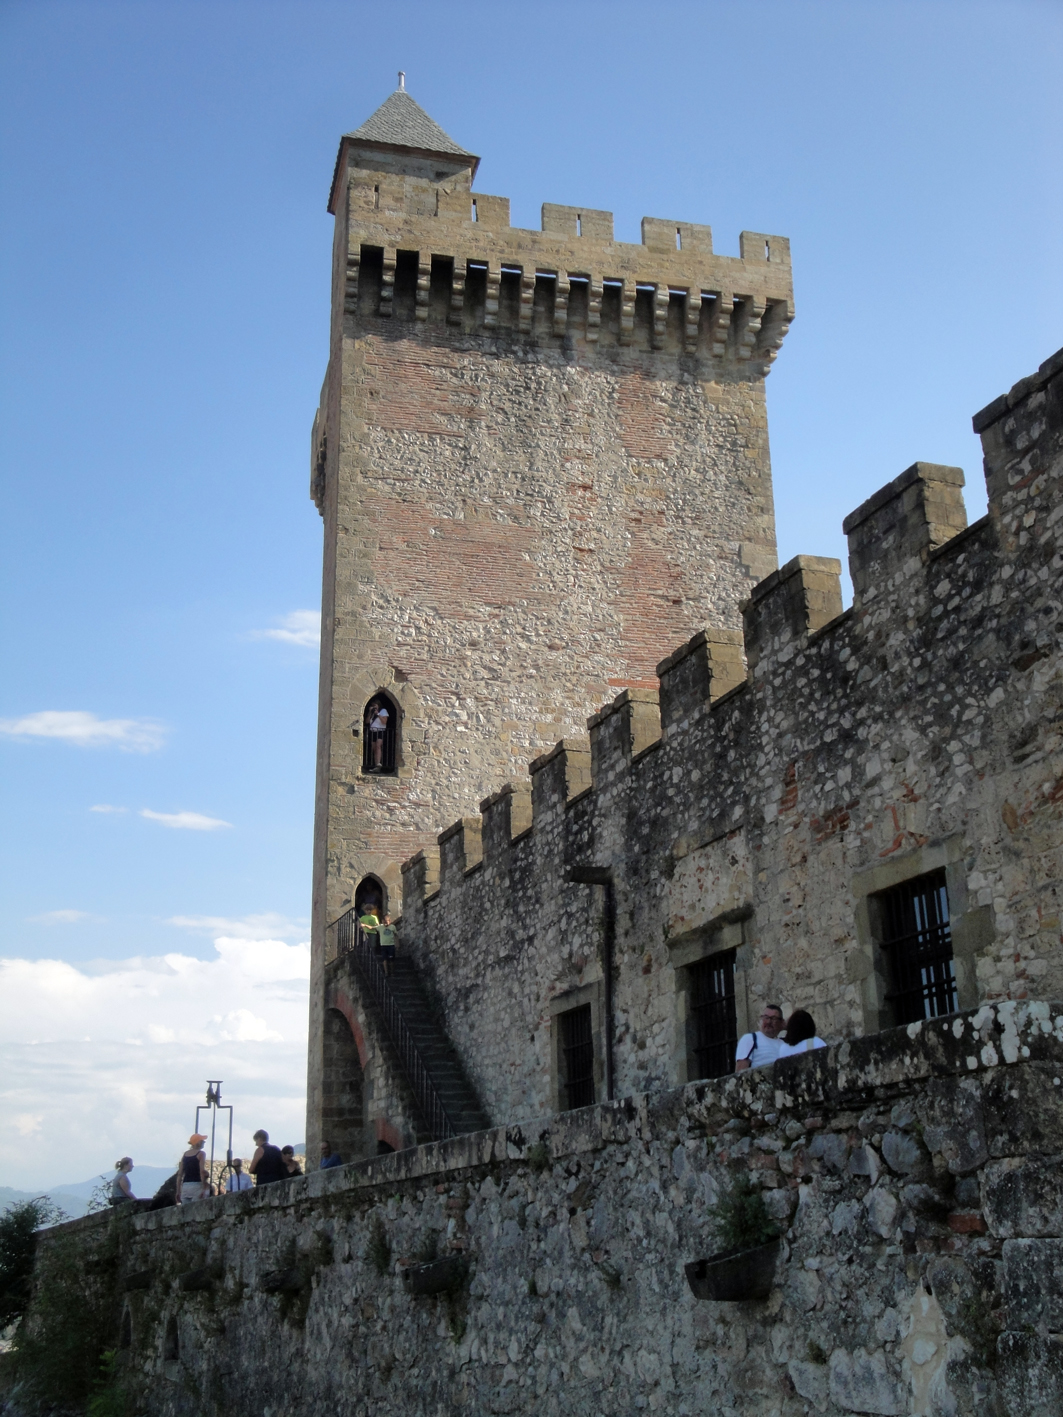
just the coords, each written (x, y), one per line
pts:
(164, 279)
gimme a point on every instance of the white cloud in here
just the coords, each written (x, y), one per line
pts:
(111, 1059)
(266, 926)
(85, 730)
(60, 917)
(185, 821)
(300, 627)
(106, 807)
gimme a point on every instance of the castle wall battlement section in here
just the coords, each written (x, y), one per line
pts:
(913, 1177)
(762, 811)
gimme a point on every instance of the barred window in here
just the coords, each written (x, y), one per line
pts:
(576, 1058)
(713, 1024)
(916, 934)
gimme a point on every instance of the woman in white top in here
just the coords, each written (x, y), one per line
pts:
(377, 728)
(799, 1035)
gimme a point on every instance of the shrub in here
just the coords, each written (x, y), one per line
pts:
(70, 1322)
(19, 1227)
(108, 1399)
(538, 1156)
(741, 1216)
(428, 1249)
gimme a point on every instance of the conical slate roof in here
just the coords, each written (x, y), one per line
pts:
(402, 122)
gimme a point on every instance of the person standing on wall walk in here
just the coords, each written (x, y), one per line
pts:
(192, 1181)
(267, 1164)
(757, 1050)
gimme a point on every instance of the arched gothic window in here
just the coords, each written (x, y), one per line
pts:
(380, 726)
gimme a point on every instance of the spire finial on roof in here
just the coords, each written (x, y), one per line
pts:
(402, 81)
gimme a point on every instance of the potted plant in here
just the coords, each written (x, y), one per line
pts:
(745, 1267)
(441, 1276)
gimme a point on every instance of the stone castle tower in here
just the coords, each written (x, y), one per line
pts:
(541, 458)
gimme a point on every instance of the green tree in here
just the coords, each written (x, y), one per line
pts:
(19, 1227)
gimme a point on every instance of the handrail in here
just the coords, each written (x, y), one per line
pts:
(350, 939)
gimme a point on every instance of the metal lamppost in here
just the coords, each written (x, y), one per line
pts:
(213, 1105)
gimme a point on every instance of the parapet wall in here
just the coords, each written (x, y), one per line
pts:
(761, 807)
(430, 245)
(914, 1178)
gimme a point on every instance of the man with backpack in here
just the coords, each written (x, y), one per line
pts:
(757, 1050)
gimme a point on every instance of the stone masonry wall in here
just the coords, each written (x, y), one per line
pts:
(542, 459)
(919, 730)
(915, 1178)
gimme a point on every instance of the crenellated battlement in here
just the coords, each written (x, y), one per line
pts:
(465, 266)
(777, 779)
(421, 246)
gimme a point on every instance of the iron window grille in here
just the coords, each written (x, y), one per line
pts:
(713, 1022)
(371, 737)
(916, 935)
(577, 1058)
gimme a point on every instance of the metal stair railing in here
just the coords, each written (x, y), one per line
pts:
(350, 939)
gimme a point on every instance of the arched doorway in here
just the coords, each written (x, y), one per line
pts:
(371, 892)
(343, 1090)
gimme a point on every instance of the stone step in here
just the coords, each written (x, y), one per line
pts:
(438, 1053)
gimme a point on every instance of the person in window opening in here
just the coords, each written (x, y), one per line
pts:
(192, 1183)
(378, 723)
(369, 920)
(757, 1050)
(388, 940)
(800, 1035)
(121, 1191)
(329, 1158)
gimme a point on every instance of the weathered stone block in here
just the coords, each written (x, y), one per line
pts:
(1033, 1284)
(867, 1382)
(1024, 1110)
(1023, 1198)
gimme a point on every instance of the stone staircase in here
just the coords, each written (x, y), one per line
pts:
(440, 1057)
(414, 1039)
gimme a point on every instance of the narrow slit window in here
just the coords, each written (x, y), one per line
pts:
(916, 935)
(376, 196)
(767, 250)
(579, 226)
(577, 1058)
(713, 1021)
(678, 239)
(474, 216)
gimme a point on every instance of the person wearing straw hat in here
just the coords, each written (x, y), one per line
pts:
(192, 1182)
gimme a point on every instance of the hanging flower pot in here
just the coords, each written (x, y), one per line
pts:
(436, 1277)
(735, 1274)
